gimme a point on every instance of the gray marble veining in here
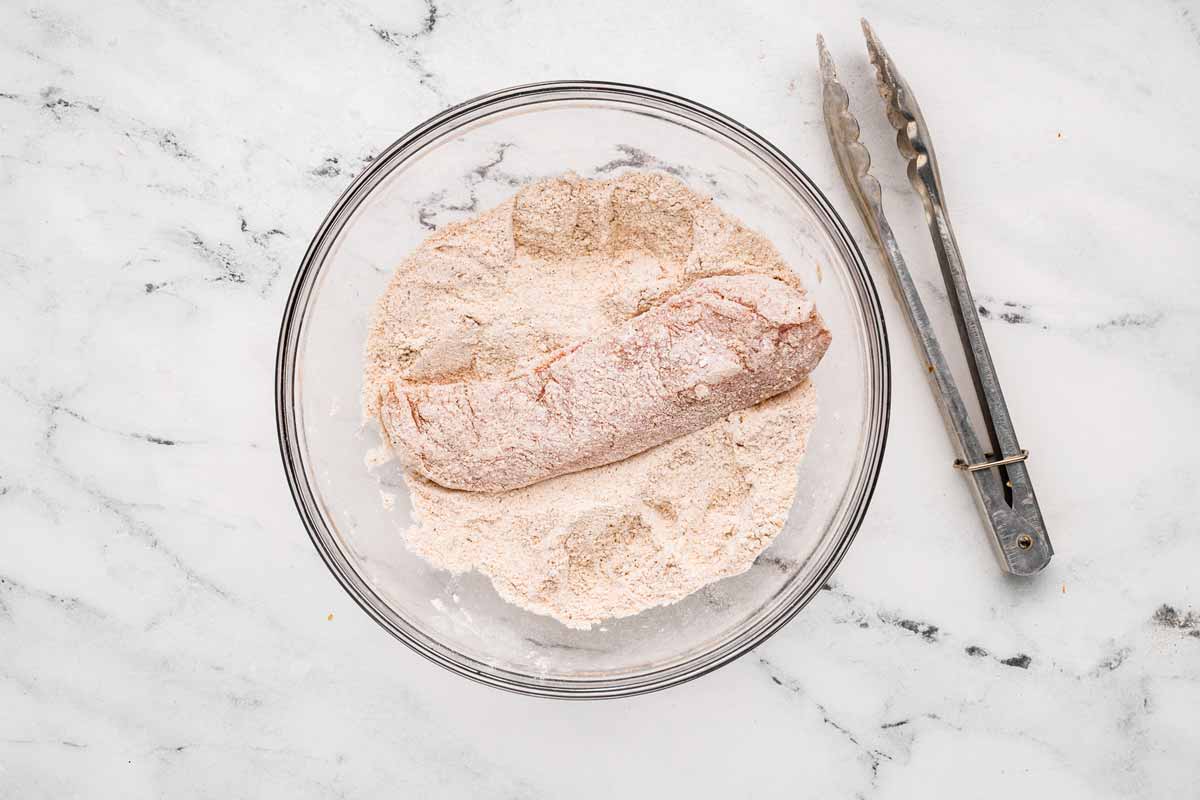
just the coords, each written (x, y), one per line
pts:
(166, 629)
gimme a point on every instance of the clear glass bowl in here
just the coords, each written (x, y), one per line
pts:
(470, 158)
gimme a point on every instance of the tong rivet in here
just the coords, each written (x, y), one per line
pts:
(1024, 541)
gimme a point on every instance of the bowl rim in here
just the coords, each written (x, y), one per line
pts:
(288, 423)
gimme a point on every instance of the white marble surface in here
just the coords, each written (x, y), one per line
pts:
(166, 629)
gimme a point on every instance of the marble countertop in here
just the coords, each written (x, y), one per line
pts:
(166, 629)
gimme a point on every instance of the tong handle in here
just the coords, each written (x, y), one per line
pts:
(1008, 499)
(970, 331)
(1003, 490)
(1022, 543)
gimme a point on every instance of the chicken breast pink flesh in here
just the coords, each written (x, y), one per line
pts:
(724, 344)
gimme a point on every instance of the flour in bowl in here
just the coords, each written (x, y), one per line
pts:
(493, 299)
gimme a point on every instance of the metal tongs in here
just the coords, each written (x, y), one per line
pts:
(1000, 476)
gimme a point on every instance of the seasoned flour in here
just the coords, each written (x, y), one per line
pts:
(564, 260)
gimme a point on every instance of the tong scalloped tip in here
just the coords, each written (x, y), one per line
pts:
(999, 474)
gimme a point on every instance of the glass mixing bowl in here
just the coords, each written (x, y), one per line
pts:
(468, 159)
